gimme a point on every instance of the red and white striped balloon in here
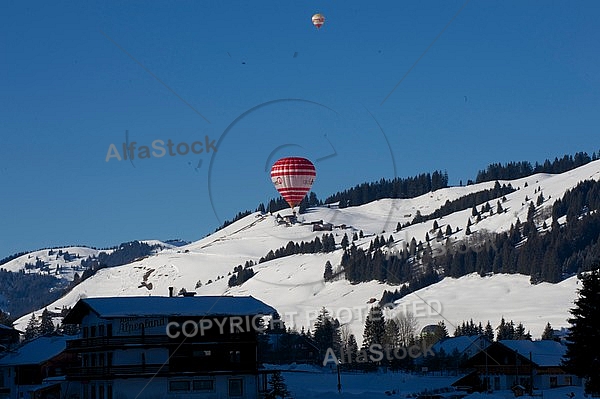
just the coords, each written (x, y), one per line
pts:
(293, 178)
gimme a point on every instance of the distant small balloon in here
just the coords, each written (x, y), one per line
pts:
(318, 20)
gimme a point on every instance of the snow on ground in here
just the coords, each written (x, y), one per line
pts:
(66, 268)
(318, 384)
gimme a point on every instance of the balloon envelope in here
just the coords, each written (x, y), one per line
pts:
(293, 178)
(318, 20)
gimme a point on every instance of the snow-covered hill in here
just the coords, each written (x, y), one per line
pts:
(294, 285)
(61, 263)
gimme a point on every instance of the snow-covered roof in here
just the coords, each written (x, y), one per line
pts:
(543, 353)
(460, 344)
(156, 306)
(36, 351)
(9, 329)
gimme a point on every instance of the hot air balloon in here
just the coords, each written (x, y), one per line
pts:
(293, 178)
(318, 20)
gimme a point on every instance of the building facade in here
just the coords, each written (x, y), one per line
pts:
(167, 347)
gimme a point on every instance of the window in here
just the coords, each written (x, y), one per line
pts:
(201, 353)
(553, 382)
(234, 356)
(85, 332)
(236, 387)
(179, 386)
(568, 380)
(92, 331)
(101, 330)
(101, 392)
(92, 391)
(204, 385)
(1, 379)
(109, 392)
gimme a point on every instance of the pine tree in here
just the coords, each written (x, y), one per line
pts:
(374, 328)
(344, 243)
(352, 348)
(448, 230)
(583, 341)
(277, 386)
(531, 212)
(327, 332)
(46, 324)
(328, 274)
(33, 328)
(391, 337)
(548, 333)
(489, 331)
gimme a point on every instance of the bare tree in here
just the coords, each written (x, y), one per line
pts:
(345, 333)
(407, 327)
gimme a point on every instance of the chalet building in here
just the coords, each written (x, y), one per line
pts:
(167, 347)
(26, 371)
(8, 337)
(519, 363)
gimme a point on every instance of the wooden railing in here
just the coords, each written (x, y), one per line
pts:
(117, 341)
(112, 371)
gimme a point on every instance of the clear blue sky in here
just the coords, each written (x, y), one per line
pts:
(506, 81)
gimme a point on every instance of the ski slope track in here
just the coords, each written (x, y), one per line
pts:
(294, 284)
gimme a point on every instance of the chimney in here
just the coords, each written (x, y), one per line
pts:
(171, 292)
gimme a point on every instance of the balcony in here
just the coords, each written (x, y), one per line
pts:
(108, 372)
(122, 342)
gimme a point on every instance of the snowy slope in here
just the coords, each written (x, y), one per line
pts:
(57, 264)
(66, 268)
(294, 285)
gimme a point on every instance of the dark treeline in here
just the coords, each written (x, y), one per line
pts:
(324, 244)
(545, 253)
(409, 187)
(466, 202)
(26, 292)
(241, 274)
(517, 170)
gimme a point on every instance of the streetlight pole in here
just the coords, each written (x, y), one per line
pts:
(339, 384)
